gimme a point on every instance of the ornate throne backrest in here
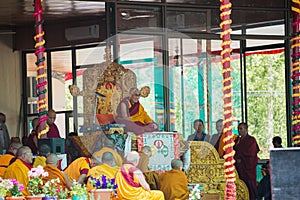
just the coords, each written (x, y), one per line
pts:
(207, 168)
(109, 82)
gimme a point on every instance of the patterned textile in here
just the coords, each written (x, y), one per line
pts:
(165, 147)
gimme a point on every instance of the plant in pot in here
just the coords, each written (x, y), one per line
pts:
(105, 188)
(78, 191)
(5, 184)
(50, 189)
(35, 182)
(15, 190)
(62, 193)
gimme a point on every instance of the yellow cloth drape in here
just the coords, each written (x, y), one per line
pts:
(54, 173)
(128, 192)
(100, 170)
(117, 157)
(174, 185)
(74, 169)
(39, 160)
(141, 116)
(4, 163)
(19, 171)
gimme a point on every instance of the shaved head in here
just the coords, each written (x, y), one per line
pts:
(52, 159)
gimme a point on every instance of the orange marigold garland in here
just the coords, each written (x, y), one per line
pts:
(40, 63)
(230, 190)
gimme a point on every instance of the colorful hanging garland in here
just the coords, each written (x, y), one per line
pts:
(230, 190)
(296, 72)
(40, 63)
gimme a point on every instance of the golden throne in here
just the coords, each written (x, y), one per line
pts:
(208, 169)
(104, 86)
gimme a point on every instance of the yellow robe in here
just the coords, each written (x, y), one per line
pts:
(117, 157)
(54, 173)
(141, 116)
(73, 171)
(98, 171)
(128, 192)
(174, 185)
(39, 160)
(19, 171)
(4, 163)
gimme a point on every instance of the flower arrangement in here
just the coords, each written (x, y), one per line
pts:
(62, 193)
(16, 188)
(35, 182)
(78, 189)
(5, 184)
(195, 193)
(50, 187)
(103, 183)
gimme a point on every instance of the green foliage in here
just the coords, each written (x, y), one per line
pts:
(266, 99)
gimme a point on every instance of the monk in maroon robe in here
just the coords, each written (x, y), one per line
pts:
(131, 113)
(53, 130)
(246, 150)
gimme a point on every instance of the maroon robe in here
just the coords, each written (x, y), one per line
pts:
(136, 127)
(53, 131)
(246, 150)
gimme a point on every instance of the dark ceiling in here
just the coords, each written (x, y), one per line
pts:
(20, 12)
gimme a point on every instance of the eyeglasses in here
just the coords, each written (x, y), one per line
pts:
(137, 95)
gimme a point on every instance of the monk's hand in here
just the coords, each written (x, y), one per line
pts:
(155, 126)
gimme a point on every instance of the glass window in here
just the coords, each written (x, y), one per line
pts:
(245, 3)
(266, 98)
(61, 79)
(128, 18)
(196, 83)
(143, 56)
(186, 21)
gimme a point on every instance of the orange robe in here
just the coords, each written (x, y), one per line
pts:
(40, 160)
(19, 171)
(117, 157)
(126, 191)
(98, 171)
(174, 185)
(77, 167)
(54, 173)
(4, 162)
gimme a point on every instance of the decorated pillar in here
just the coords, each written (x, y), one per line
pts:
(41, 74)
(230, 189)
(296, 72)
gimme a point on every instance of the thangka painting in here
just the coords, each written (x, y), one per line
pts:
(165, 147)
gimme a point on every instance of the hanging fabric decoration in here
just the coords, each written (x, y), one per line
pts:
(230, 189)
(41, 74)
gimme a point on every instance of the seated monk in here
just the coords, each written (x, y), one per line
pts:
(80, 167)
(150, 176)
(8, 157)
(44, 151)
(54, 172)
(19, 169)
(109, 146)
(174, 183)
(131, 181)
(145, 154)
(131, 113)
(107, 168)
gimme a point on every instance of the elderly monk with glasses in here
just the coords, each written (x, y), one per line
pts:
(131, 113)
